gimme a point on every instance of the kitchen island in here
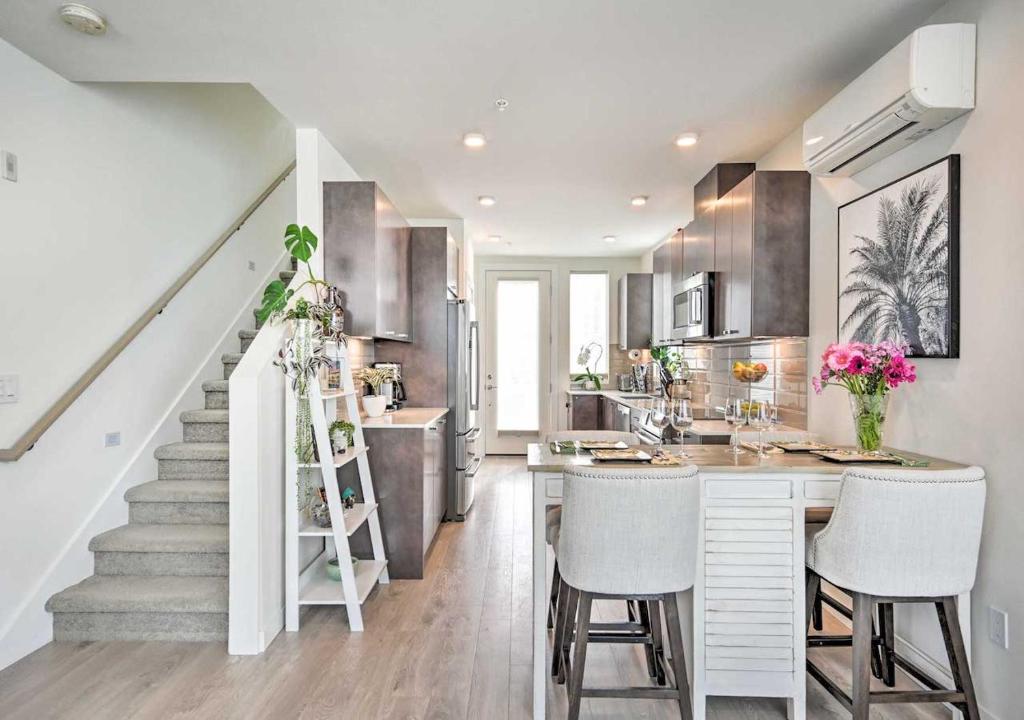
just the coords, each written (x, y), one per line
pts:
(750, 539)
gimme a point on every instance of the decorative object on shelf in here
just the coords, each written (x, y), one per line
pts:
(334, 569)
(375, 404)
(869, 373)
(348, 498)
(341, 435)
(319, 512)
(899, 255)
(591, 381)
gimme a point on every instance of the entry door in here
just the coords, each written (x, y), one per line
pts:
(517, 378)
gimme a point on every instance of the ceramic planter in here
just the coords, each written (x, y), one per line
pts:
(375, 405)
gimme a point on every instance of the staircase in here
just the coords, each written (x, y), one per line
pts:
(164, 575)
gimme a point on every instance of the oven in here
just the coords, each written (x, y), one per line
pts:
(693, 305)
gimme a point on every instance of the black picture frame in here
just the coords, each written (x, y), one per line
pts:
(948, 346)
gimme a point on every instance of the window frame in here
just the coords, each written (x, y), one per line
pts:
(574, 351)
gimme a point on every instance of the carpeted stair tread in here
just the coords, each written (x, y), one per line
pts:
(231, 358)
(163, 539)
(286, 276)
(193, 451)
(134, 593)
(245, 334)
(204, 416)
(179, 491)
(215, 386)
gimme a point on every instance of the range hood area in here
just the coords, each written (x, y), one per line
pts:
(749, 243)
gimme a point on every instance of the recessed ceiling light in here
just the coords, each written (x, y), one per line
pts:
(494, 238)
(686, 140)
(814, 140)
(83, 18)
(486, 200)
(474, 140)
(638, 201)
(609, 238)
(501, 104)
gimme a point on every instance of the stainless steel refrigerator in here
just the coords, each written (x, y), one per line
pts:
(464, 449)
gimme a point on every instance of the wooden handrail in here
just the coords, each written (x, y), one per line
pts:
(26, 441)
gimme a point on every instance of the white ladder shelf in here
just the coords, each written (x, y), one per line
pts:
(306, 581)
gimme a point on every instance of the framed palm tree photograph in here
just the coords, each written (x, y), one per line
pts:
(899, 256)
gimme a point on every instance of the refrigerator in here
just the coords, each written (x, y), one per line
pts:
(465, 450)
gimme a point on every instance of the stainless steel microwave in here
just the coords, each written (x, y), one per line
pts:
(693, 307)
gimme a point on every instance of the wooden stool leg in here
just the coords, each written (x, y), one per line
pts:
(959, 663)
(817, 617)
(813, 597)
(675, 641)
(644, 613)
(580, 659)
(561, 621)
(572, 602)
(887, 630)
(862, 652)
(556, 582)
(659, 640)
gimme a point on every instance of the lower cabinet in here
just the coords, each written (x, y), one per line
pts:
(585, 412)
(409, 469)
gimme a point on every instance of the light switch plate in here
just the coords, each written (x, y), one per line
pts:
(999, 627)
(112, 439)
(9, 162)
(8, 388)
(252, 265)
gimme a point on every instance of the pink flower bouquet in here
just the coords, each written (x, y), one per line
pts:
(868, 372)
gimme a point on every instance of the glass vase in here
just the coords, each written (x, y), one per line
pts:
(869, 421)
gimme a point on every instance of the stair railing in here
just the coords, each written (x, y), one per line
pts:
(40, 426)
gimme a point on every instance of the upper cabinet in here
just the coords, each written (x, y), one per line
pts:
(635, 310)
(661, 296)
(367, 255)
(698, 247)
(762, 256)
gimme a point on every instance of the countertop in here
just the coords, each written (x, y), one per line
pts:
(720, 428)
(629, 399)
(717, 459)
(406, 418)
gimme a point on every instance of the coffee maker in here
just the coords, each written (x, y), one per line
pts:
(393, 391)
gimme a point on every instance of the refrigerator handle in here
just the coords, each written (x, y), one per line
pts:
(474, 365)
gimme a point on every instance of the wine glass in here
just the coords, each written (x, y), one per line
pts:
(661, 415)
(734, 417)
(760, 418)
(681, 419)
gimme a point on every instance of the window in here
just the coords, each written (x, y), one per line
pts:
(588, 320)
(518, 353)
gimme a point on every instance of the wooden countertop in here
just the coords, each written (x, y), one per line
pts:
(405, 419)
(718, 459)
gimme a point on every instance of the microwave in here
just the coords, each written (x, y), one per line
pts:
(693, 307)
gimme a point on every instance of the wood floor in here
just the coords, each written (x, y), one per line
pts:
(455, 645)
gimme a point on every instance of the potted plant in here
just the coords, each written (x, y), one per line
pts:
(869, 373)
(375, 404)
(341, 435)
(591, 380)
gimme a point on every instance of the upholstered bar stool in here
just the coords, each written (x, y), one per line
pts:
(626, 534)
(901, 536)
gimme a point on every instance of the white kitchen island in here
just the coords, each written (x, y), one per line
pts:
(749, 626)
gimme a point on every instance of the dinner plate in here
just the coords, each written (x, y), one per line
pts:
(616, 455)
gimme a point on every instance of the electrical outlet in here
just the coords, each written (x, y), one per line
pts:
(10, 165)
(252, 265)
(999, 627)
(8, 388)
(112, 439)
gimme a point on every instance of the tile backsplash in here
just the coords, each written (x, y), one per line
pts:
(785, 385)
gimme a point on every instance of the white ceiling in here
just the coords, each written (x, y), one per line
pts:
(598, 90)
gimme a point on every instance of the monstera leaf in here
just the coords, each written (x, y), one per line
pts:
(301, 243)
(275, 300)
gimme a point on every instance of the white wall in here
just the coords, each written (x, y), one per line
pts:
(964, 409)
(560, 267)
(120, 188)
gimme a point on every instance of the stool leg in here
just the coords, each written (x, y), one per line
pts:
(862, 654)
(580, 659)
(675, 641)
(644, 612)
(816, 611)
(813, 596)
(959, 664)
(556, 581)
(658, 639)
(572, 602)
(561, 621)
(887, 629)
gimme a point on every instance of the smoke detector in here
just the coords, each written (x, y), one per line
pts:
(83, 19)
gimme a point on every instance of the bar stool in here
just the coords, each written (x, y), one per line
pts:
(901, 536)
(644, 549)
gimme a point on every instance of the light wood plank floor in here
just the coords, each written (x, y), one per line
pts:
(455, 645)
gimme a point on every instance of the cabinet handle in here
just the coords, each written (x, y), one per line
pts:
(389, 332)
(403, 335)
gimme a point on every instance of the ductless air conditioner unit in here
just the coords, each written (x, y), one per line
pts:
(920, 85)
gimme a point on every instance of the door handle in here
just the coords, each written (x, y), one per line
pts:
(490, 387)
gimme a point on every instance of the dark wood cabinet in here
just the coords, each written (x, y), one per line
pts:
(700, 239)
(635, 310)
(367, 255)
(699, 244)
(585, 412)
(762, 248)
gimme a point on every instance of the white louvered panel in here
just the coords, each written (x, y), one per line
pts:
(775, 548)
(752, 512)
(749, 628)
(753, 489)
(748, 664)
(749, 641)
(757, 651)
(724, 581)
(747, 593)
(748, 571)
(754, 561)
(748, 534)
(720, 616)
(742, 605)
(821, 490)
